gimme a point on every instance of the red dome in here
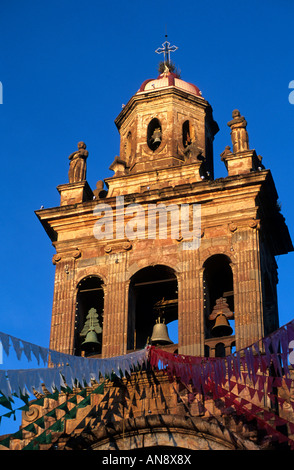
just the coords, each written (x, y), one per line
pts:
(169, 79)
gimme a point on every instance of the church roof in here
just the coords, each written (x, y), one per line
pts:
(169, 79)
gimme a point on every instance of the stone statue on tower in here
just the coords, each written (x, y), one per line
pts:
(77, 165)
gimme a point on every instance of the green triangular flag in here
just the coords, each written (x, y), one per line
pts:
(24, 398)
(99, 390)
(24, 408)
(63, 406)
(18, 434)
(58, 426)
(39, 402)
(71, 414)
(54, 395)
(85, 402)
(5, 442)
(51, 413)
(7, 415)
(66, 389)
(73, 400)
(40, 422)
(41, 438)
(44, 438)
(31, 446)
(5, 402)
(30, 428)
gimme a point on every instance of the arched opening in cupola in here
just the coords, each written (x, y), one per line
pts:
(154, 134)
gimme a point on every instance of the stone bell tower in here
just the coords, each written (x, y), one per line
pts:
(220, 293)
(164, 253)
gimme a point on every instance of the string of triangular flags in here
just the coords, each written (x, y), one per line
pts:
(275, 351)
(68, 370)
(244, 408)
(62, 369)
(79, 399)
(259, 368)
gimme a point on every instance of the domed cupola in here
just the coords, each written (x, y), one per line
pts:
(169, 79)
(167, 123)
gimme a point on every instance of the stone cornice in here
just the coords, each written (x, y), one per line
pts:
(158, 94)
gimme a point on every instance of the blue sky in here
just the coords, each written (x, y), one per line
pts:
(68, 66)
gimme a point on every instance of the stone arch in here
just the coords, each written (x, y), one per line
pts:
(218, 250)
(154, 134)
(218, 312)
(175, 431)
(148, 286)
(90, 271)
(220, 264)
(135, 268)
(188, 133)
(128, 148)
(89, 301)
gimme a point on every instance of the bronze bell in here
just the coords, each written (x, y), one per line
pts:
(91, 342)
(156, 136)
(160, 333)
(221, 326)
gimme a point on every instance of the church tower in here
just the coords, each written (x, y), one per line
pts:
(124, 256)
(164, 254)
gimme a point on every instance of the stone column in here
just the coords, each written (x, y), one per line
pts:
(115, 307)
(190, 306)
(248, 290)
(63, 311)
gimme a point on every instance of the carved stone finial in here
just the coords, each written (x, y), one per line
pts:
(239, 133)
(77, 165)
(119, 166)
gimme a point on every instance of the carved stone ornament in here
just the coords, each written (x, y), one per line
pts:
(239, 133)
(56, 258)
(225, 153)
(32, 414)
(232, 227)
(71, 254)
(76, 254)
(253, 223)
(117, 247)
(119, 166)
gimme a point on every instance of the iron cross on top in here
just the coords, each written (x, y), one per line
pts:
(166, 49)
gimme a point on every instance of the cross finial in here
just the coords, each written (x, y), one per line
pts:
(166, 49)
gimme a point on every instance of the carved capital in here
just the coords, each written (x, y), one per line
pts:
(73, 254)
(254, 224)
(232, 227)
(117, 247)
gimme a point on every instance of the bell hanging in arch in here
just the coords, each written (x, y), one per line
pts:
(220, 315)
(160, 333)
(156, 136)
(91, 342)
(221, 326)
